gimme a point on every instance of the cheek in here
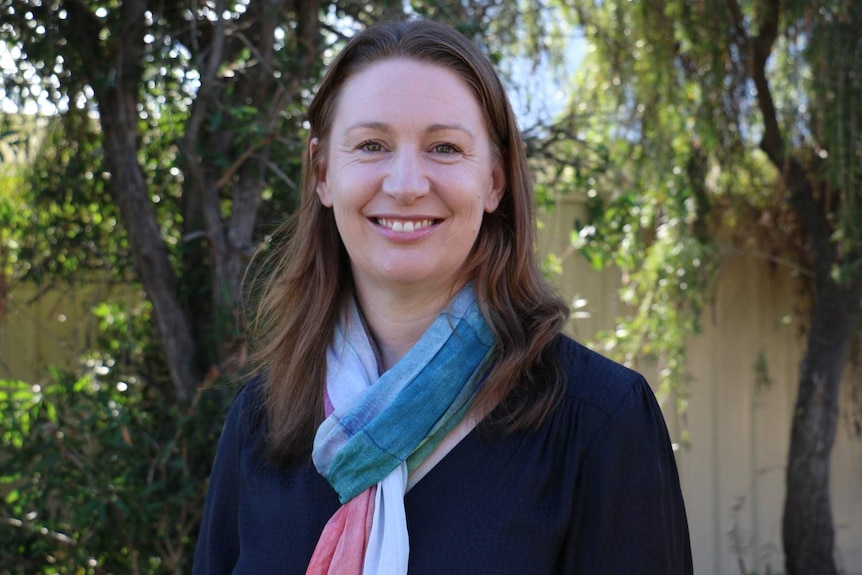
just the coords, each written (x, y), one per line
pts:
(354, 189)
(471, 224)
(345, 221)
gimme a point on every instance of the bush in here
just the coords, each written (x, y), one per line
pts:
(99, 471)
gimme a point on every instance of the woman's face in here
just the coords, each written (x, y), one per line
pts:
(409, 173)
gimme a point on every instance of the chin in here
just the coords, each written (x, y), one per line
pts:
(416, 278)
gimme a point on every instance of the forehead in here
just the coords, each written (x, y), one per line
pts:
(400, 89)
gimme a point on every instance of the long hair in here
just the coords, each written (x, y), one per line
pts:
(302, 298)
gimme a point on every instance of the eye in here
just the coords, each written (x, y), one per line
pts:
(370, 146)
(445, 149)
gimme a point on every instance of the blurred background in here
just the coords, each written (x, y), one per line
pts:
(698, 176)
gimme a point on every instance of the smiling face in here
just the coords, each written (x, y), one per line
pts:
(409, 173)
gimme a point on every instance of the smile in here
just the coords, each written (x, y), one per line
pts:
(404, 226)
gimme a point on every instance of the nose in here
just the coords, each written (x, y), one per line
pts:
(406, 180)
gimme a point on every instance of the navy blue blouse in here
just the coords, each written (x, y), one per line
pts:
(594, 491)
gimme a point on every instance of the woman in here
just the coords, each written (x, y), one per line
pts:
(417, 406)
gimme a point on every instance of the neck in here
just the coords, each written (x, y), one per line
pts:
(397, 319)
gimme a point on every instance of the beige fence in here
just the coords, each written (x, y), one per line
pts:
(51, 328)
(738, 414)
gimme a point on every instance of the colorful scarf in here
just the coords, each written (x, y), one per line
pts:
(381, 427)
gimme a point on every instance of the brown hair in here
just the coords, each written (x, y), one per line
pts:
(302, 298)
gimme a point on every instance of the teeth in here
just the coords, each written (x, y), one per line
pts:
(399, 226)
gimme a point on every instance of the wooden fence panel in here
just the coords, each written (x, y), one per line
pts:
(53, 328)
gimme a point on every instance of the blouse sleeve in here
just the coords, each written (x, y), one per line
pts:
(218, 541)
(629, 515)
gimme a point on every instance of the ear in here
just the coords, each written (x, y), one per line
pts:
(322, 185)
(498, 187)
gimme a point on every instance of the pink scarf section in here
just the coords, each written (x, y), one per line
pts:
(341, 548)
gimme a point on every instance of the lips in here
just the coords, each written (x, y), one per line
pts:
(405, 226)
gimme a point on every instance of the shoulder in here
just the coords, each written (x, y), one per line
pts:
(628, 508)
(246, 419)
(248, 401)
(594, 379)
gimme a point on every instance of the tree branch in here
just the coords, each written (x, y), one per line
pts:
(738, 24)
(800, 187)
(82, 29)
(760, 49)
(116, 91)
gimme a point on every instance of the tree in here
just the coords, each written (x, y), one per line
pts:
(212, 86)
(692, 119)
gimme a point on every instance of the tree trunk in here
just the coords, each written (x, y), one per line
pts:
(230, 241)
(116, 91)
(118, 116)
(807, 529)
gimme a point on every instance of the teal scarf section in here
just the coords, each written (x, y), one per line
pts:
(406, 412)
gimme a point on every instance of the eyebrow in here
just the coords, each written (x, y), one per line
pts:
(386, 128)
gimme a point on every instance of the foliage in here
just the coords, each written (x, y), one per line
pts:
(71, 227)
(643, 215)
(100, 475)
(665, 130)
